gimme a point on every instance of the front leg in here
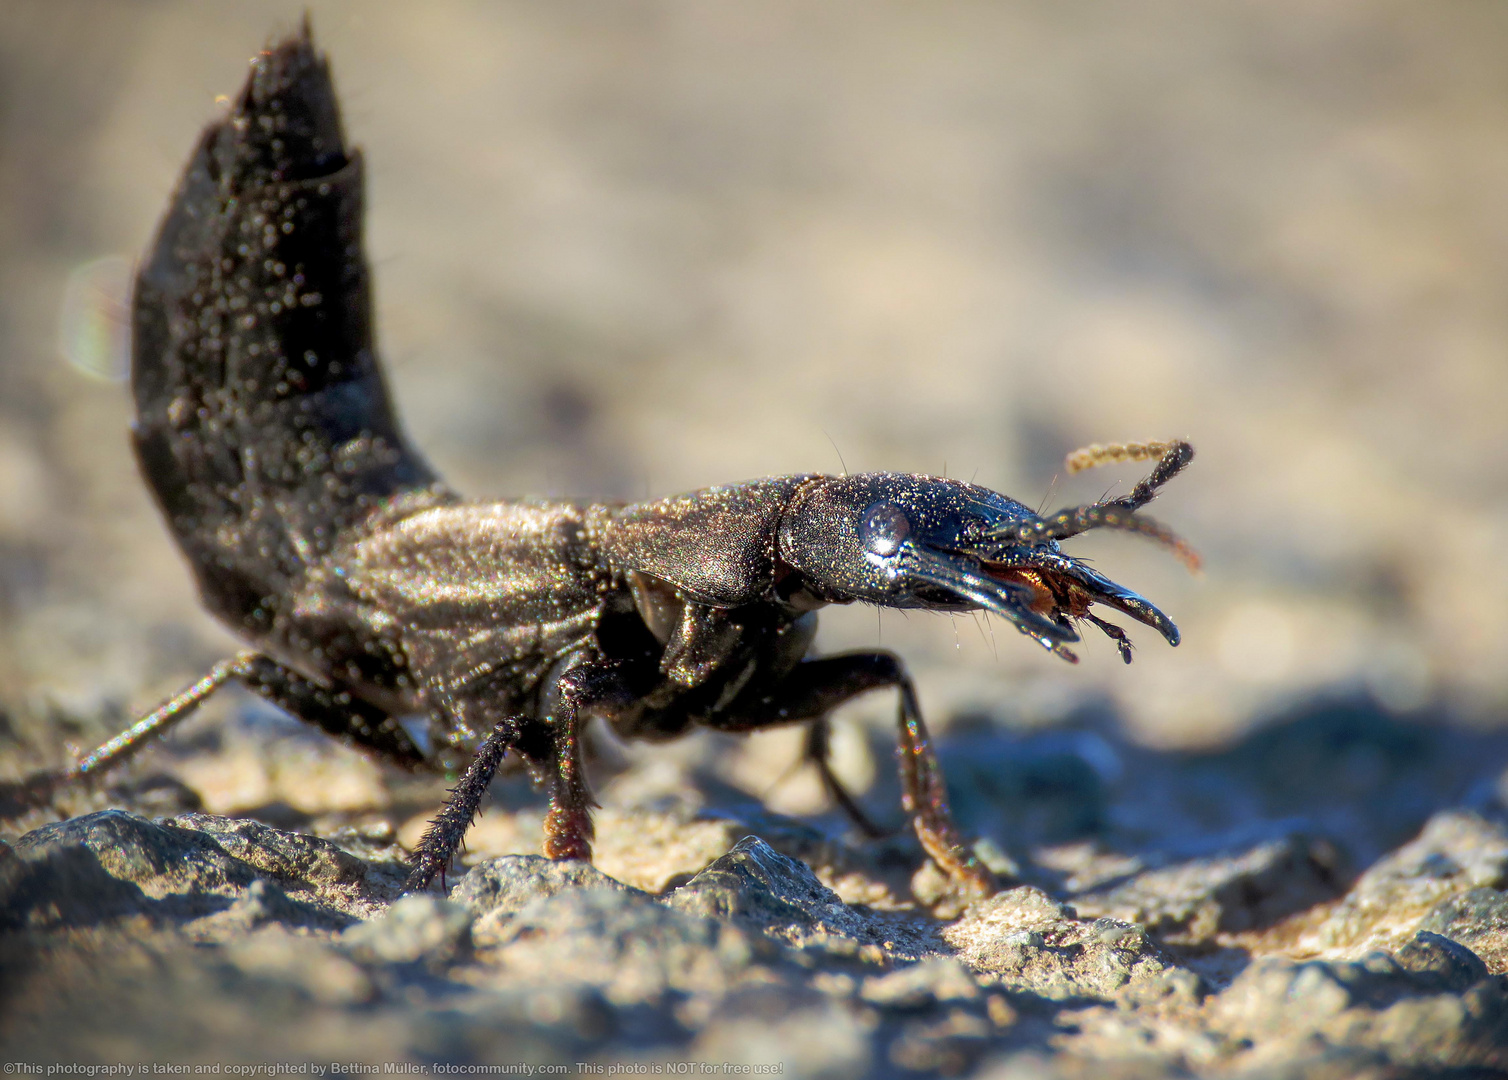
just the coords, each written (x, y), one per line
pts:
(815, 687)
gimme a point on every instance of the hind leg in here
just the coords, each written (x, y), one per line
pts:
(39, 788)
(334, 711)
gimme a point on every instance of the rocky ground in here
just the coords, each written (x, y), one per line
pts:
(1325, 899)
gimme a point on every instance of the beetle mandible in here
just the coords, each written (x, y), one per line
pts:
(431, 631)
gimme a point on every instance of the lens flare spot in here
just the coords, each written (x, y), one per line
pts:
(94, 325)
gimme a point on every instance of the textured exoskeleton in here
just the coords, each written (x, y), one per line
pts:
(381, 607)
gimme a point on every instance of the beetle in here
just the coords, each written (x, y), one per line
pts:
(380, 606)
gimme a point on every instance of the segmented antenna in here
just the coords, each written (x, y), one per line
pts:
(1108, 453)
(1080, 519)
(1172, 457)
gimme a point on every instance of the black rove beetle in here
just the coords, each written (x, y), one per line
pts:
(380, 606)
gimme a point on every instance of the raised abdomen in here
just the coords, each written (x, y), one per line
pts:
(263, 425)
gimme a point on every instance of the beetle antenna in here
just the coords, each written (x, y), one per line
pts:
(1173, 457)
(1113, 515)
(1097, 454)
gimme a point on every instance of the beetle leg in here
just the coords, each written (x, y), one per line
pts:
(568, 826)
(924, 795)
(443, 838)
(815, 687)
(39, 788)
(816, 751)
(336, 711)
(158, 722)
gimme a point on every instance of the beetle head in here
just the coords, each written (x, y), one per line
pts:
(907, 541)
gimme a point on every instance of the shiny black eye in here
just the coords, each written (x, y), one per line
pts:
(883, 529)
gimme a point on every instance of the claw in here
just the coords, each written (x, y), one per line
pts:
(1104, 591)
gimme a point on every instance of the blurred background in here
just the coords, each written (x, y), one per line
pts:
(631, 248)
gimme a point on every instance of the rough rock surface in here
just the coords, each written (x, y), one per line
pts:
(1206, 948)
(195, 872)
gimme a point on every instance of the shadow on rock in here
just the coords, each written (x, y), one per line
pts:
(195, 871)
(1194, 844)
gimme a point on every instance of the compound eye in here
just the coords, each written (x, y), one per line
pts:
(883, 529)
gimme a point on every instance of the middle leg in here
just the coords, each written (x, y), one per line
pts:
(590, 684)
